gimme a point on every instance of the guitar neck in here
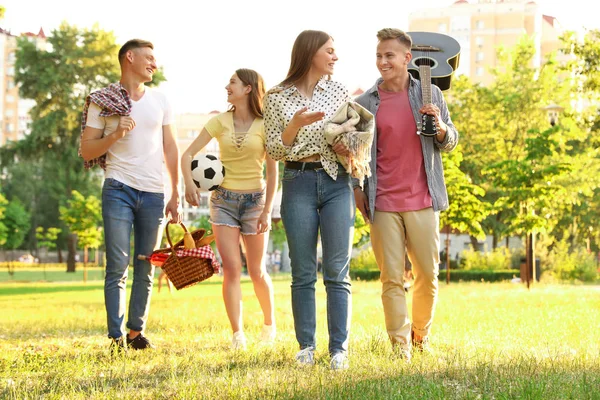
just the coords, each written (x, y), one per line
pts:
(425, 78)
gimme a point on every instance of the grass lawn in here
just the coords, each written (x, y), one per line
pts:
(492, 341)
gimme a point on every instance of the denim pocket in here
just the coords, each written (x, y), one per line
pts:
(216, 196)
(290, 174)
(113, 184)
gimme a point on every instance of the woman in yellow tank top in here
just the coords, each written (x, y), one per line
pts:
(242, 204)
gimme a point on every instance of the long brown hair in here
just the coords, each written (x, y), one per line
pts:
(253, 79)
(305, 47)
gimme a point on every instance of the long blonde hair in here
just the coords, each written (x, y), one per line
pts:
(253, 79)
(305, 47)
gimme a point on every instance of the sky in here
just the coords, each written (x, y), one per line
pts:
(201, 45)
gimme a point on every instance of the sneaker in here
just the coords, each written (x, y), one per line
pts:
(140, 342)
(238, 341)
(339, 362)
(117, 346)
(306, 356)
(268, 333)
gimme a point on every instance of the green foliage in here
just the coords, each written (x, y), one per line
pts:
(16, 220)
(498, 259)
(364, 261)
(362, 231)
(47, 237)
(568, 265)
(364, 266)
(3, 228)
(278, 235)
(83, 216)
(466, 210)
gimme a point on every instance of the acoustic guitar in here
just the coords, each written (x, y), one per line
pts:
(435, 58)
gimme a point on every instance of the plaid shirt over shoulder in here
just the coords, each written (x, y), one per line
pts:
(113, 100)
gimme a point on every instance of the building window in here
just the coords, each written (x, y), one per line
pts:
(442, 27)
(9, 128)
(9, 113)
(479, 41)
(9, 98)
(192, 133)
(10, 71)
(479, 71)
(479, 56)
(479, 24)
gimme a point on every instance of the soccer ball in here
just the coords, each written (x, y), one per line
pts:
(207, 171)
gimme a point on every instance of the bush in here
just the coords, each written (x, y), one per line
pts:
(497, 260)
(482, 276)
(364, 267)
(569, 266)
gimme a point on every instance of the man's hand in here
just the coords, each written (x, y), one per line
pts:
(434, 111)
(126, 124)
(172, 209)
(362, 203)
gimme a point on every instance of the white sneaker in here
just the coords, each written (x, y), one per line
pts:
(339, 361)
(268, 333)
(306, 356)
(238, 342)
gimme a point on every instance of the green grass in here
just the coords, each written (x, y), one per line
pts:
(491, 341)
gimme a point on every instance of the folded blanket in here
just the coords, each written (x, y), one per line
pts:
(114, 100)
(353, 126)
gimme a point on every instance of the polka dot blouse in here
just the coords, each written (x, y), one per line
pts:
(281, 104)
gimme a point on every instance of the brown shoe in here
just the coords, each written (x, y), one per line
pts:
(421, 344)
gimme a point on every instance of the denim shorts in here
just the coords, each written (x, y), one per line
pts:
(237, 210)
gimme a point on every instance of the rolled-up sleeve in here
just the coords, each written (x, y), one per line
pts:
(451, 139)
(274, 127)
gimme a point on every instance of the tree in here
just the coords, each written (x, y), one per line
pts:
(47, 238)
(83, 216)
(16, 221)
(466, 208)
(497, 121)
(3, 228)
(58, 76)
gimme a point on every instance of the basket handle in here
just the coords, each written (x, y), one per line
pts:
(169, 236)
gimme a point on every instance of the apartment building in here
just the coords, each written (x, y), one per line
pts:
(481, 27)
(14, 111)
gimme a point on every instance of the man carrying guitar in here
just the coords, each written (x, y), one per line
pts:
(406, 191)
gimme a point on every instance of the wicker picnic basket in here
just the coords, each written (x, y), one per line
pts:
(184, 271)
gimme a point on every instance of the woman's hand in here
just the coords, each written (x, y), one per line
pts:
(303, 118)
(192, 195)
(264, 221)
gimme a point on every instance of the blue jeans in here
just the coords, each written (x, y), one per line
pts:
(124, 208)
(313, 201)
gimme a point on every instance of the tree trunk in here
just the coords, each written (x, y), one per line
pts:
(72, 248)
(85, 260)
(474, 243)
(60, 257)
(494, 242)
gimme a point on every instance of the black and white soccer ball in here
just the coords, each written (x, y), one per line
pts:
(207, 171)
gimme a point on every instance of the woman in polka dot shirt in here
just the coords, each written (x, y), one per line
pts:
(317, 192)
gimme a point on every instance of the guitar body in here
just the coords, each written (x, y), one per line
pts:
(440, 52)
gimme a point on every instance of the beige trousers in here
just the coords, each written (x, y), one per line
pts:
(394, 234)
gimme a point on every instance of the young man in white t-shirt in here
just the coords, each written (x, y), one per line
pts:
(129, 130)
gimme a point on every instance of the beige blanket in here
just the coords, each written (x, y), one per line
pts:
(353, 126)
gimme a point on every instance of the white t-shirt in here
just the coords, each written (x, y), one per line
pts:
(137, 158)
